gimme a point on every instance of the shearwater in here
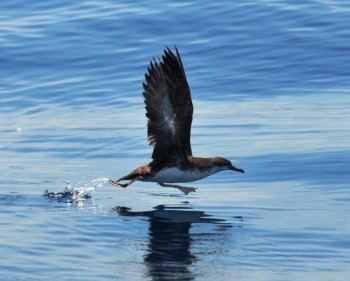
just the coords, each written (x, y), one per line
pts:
(169, 111)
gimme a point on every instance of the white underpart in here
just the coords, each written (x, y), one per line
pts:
(175, 175)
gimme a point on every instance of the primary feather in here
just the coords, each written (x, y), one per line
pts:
(169, 108)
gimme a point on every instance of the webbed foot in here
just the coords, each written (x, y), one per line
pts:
(184, 189)
(117, 183)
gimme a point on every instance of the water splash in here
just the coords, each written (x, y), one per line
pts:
(78, 192)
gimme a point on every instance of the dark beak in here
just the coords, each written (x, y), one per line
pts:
(233, 168)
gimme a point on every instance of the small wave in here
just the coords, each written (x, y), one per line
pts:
(77, 192)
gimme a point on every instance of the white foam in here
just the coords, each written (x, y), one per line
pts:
(78, 192)
(82, 191)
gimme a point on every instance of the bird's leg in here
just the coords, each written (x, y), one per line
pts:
(117, 183)
(184, 189)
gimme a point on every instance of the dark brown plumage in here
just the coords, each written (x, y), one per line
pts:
(169, 108)
(169, 111)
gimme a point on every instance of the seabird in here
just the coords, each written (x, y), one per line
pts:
(169, 111)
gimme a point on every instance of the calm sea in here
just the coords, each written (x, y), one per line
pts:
(270, 83)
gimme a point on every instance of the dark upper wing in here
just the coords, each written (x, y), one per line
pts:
(169, 107)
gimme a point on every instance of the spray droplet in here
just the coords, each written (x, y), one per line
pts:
(78, 192)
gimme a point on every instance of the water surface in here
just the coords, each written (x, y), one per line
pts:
(270, 86)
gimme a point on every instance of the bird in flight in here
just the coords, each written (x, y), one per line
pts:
(169, 111)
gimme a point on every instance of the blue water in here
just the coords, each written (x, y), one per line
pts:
(271, 91)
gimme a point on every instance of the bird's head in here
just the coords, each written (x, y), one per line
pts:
(225, 164)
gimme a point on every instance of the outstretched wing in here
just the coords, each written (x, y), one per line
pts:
(169, 108)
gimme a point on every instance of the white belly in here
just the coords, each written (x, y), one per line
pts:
(175, 175)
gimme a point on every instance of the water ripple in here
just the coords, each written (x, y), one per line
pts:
(270, 85)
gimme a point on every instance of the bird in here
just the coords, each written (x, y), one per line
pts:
(169, 110)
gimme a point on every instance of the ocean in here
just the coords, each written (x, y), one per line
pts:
(271, 92)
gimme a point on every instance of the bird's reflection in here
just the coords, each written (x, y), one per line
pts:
(169, 248)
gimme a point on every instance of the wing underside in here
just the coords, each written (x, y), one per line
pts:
(169, 108)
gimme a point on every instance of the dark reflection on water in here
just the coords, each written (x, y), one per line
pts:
(169, 255)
